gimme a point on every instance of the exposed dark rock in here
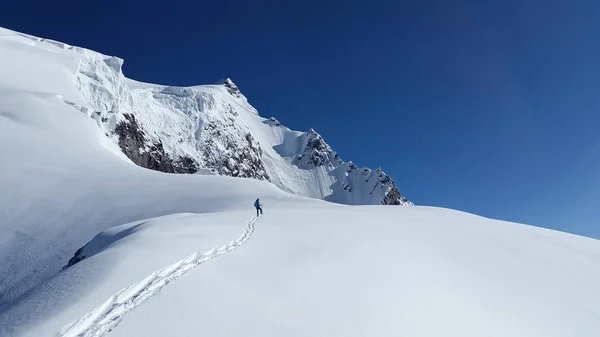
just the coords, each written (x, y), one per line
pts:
(133, 143)
(78, 257)
(131, 137)
(224, 153)
(393, 197)
(157, 159)
(316, 153)
(185, 165)
(239, 159)
(232, 88)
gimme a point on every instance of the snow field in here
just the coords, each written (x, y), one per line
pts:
(314, 268)
(103, 319)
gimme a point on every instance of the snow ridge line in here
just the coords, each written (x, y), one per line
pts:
(109, 314)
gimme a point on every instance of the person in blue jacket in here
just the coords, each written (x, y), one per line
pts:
(258, 206)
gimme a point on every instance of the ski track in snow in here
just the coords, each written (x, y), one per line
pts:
(109, 314)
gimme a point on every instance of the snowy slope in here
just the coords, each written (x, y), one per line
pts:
(188, 129)
(356, 271)
(65, 182)
(182, 255)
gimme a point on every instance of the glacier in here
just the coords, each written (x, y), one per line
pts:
(192, 129)
(92, 244)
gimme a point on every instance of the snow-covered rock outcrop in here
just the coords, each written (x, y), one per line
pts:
(208, 128)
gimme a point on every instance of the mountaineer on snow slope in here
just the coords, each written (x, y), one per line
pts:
(258, 206)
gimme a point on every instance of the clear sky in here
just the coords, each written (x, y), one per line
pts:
(490, 107)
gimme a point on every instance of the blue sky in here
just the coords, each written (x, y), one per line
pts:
(490, 107)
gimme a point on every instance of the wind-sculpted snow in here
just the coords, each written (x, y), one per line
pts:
(316, 269)
(109, 314)
(183, 129)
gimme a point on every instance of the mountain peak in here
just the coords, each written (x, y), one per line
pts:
(200, 129)
(231, 87)
(316, 152)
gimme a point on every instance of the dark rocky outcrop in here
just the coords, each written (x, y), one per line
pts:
(239, 160)
(393, 197)
(232, 88)
(78, 257)
(316, 152)
(185, 165)
(156, 159)
(134, 144)
(224, 150)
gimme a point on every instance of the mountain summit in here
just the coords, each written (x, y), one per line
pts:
(210, 129)
(93, 245)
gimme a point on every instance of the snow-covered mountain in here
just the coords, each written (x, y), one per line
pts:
(93, 245)
(207, 128)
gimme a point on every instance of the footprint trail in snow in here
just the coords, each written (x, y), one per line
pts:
(107, 316)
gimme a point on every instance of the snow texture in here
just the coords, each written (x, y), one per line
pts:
(312, 268)
(109, 314)
(184, 129)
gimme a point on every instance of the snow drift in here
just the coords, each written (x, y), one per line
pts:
(142, 243)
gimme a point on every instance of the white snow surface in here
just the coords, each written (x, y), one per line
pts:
(212, 124)
(184, 255)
